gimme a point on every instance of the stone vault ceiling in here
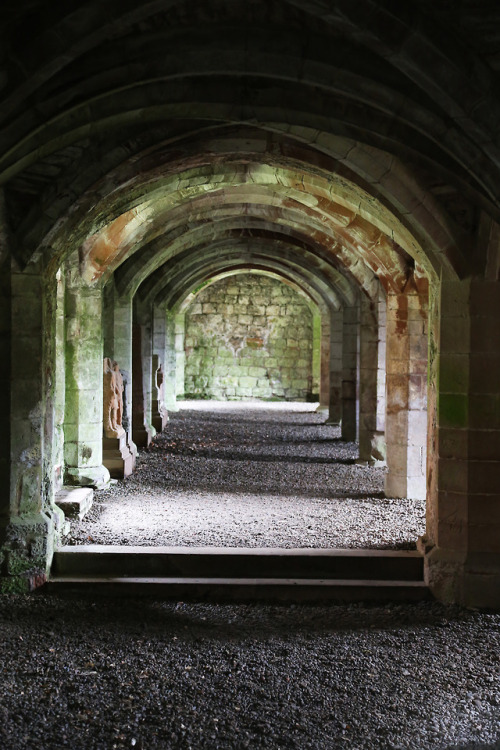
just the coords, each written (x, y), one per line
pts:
(346, 140)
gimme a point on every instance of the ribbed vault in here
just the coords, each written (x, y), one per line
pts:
(390, 86)
(351, 148)
(244, 257)
(104, 85)
(154, 221)
(182, 301)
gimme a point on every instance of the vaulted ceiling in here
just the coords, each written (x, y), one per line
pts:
(349, 141)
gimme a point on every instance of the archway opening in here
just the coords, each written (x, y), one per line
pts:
(362, 352)
(248, 336)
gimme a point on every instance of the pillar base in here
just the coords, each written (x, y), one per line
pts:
(471, 579)
(159, 418)
(117, 457)
(132, 447)
(142, 437)
(90, 476)
(27, 550)
(412, 488)
(372, 448)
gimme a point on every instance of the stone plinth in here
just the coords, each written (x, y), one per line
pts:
(117, 457)
(75, 502)
(159, 416)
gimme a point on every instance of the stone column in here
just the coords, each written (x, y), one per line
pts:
(180, 353)
(59, 380)
(406, 393)
(368, 372)
(122, 353)
(372, 380)
(349, 372)
(324, 383)
(381, 365)
(30, 522)
(83, 407)
(169, 395)
(335, 403)
(463, 520)
(5, 387)
(141, 359)
(315, 391)
(159, 415)
(117, 457)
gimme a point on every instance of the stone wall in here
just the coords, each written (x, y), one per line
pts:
(249, 336)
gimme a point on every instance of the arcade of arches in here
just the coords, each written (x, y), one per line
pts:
(349, 149)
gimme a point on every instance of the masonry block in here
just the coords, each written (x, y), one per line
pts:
(75, 502)
(251, 328)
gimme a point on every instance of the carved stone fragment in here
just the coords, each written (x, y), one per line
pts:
(112, 399)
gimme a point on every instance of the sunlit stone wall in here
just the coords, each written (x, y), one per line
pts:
(249, 336)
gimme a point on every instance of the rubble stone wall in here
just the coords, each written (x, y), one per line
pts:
(249, 336)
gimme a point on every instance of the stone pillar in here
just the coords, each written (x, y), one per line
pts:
(381, 365)
(30, 521)
(121, 351)
(368, 372)
(180, 353)
(169, 395)
(141, 350)
(463, 524)
(59, 380)
(335, 403)
(159, 414)
(117, 457)
(316, 354)
(372, 446)
(83, 407)
(349, 372)
(406, 393)
(5, 400)
(324, 383)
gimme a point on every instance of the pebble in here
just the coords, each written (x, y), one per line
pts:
(262, 676)
(221, 475)
(93, 675)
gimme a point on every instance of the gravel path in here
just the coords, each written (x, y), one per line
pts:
(251, 475)
(98, 675)
(142, 674)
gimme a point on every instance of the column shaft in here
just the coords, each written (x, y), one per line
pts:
(406, 394)
(349, 372)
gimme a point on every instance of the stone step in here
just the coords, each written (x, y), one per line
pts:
(237, 563)
(75, 502)
(299, 590)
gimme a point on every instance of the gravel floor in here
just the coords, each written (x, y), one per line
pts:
(97, 674)
(251, 475)
(146, 674)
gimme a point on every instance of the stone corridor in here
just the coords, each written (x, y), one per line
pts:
(163, 157)
(251, 474)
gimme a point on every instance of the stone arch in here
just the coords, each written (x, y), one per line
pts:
(397, 105)
(245, 346)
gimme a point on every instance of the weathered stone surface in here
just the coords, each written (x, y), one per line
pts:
(264, 353)
(108, 173)
(159, 414)
(112, 399)
(117, 456)
(75, 502)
